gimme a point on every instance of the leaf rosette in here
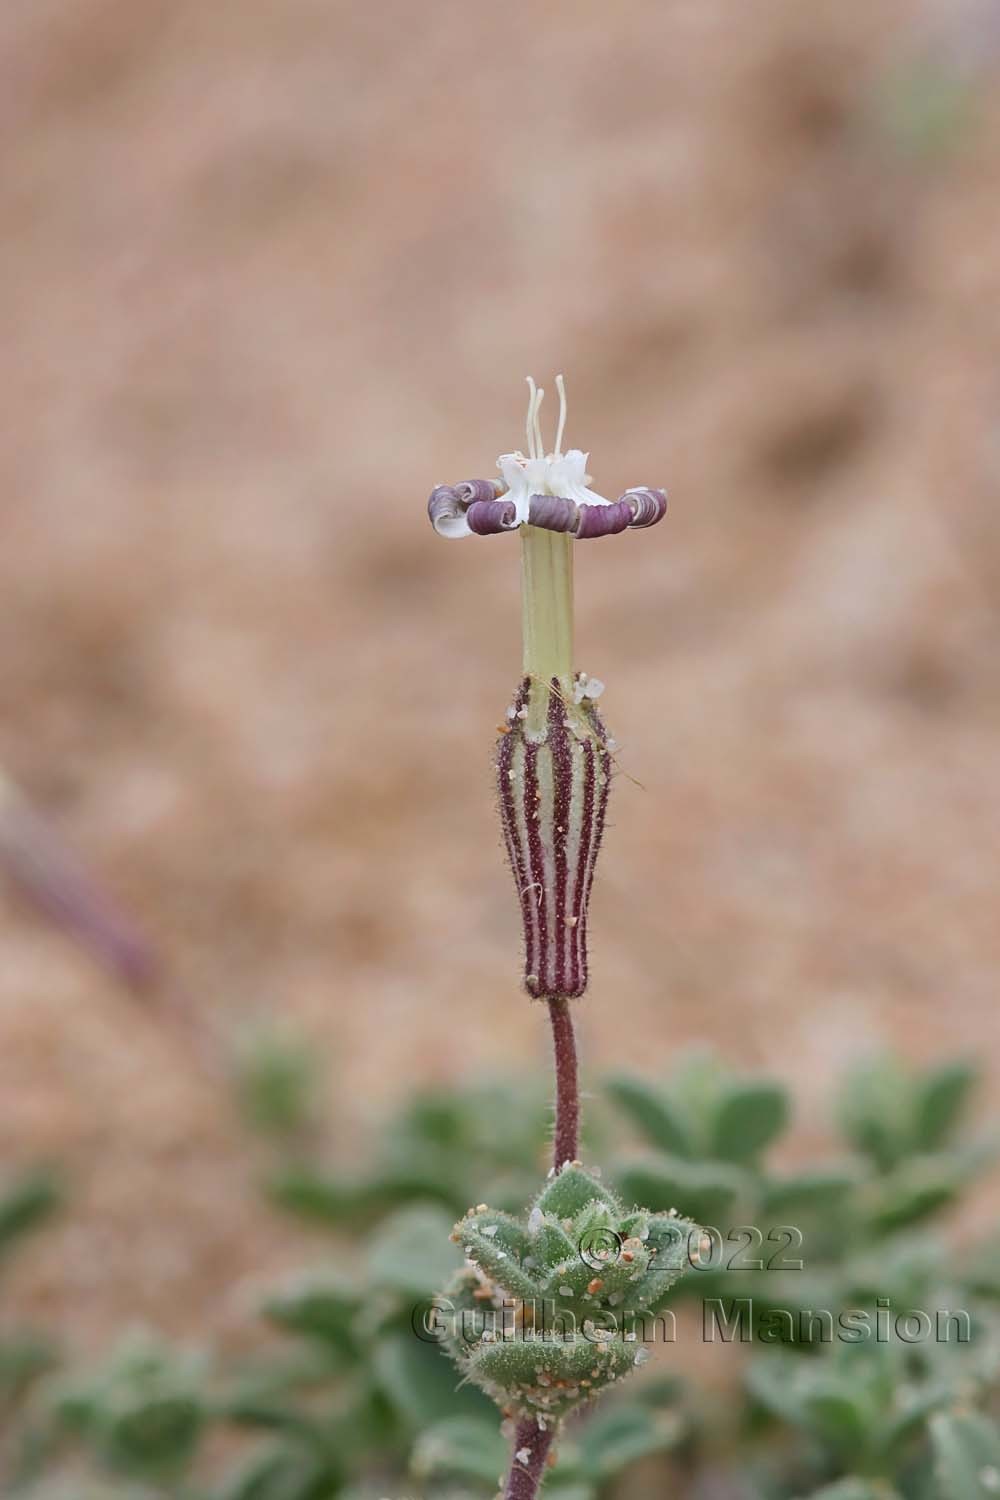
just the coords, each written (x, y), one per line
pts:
(552, 1309)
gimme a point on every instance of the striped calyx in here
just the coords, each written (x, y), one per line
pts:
(553, 783)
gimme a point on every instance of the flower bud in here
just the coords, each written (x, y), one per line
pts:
(553, 784)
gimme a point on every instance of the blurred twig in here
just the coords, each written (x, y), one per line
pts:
(49, 874)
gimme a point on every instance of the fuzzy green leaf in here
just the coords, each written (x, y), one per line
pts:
(617, 1438)
(552, 1246)
(941, 1096)
(27, 1204)
(283, 1474)
(852, 1489)
(554, 1375)
(652, 1112)
(463, 1448)
(966, 1455)
(411, 1253)
(318, 1196)
(876, 1110)
(747, 1118)
(820, 1190)
(569, 1191)
(317, 1309)
(422, 1387)
(839, 1418)
(705, 1191)
(915, 1190)
(487, 1252)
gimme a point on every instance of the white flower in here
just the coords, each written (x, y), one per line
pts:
(558, 482)
(561, 474)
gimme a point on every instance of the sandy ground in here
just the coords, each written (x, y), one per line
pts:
(267, 273)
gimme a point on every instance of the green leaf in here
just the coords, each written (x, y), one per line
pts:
(439, 1118)
(317, 1309)
(651, 1111)
(852, 1489)
(26, 1205)
(614, 1439)
(23, 1358)
(941, 1096)
(839, 1418)
(914, 1409)
(411, 1252)
(915, 1190)
(663, 1391)
(319, 1196)
(328, 1199)
(276, 1083)
(463, 1448)
(747, 1118)
(144, 1411)
(704, 1191)
(271, 1416)
(876, 1110)
(551, 1371)
(421, 1383)
(966, 1455)
(816, 1190)
(569, 1191)
(498, 1253)
(152, 1434)
(283, 1474)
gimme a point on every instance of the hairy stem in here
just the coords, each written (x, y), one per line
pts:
(524, 1479)
(567, 1132)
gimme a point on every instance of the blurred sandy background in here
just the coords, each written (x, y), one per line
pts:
(268, 272)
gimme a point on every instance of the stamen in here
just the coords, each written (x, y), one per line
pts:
(539, 445)
(561, 388)
(529, 425)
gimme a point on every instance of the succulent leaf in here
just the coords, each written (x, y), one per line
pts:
(545, 1314)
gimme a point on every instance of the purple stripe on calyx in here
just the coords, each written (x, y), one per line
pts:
(584, 861)
(553, 791)
(562, 779)
(599, 806)
(536, 965)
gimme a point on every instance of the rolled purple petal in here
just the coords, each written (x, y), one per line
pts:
(603, 520)
(446, 511)
(552, 512)
(648, 506)
(487, 517)
(450, 508)
(471, 490)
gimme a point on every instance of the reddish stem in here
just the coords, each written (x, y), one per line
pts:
(524, 1479)
(567, 1133)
